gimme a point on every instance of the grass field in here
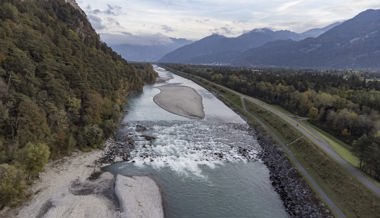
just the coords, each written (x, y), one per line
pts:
(340, 147)
(337, 145)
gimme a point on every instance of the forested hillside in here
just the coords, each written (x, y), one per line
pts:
(61, 88)
(346, 104)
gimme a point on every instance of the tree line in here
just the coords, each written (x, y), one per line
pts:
(61, 89)
(343, 103)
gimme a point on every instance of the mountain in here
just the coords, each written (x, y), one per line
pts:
(148, 53)
(61, 88)
(313, 33)
(218, 49)
(352, 44)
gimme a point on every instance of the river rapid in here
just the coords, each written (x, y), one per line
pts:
(205, 168)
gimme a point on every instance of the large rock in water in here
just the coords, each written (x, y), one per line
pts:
(139, 196)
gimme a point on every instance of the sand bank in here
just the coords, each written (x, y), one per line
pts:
(139, 197)
(53, 195)
(180, 100)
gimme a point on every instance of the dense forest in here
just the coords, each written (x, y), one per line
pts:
(61, 88)
(345, 104)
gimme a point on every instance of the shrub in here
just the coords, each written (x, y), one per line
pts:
(93, 136)
(33, 158)
(8, 11)
(12, 185)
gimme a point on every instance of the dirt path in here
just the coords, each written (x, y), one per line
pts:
(278, 138)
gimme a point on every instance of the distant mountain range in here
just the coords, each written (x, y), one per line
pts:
(218, 49)
(148, 53)
(153, 48)
(352, 44)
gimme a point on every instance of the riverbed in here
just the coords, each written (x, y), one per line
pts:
(206, 167)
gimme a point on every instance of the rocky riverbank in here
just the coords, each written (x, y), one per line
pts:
(298, 198)
(76, 187)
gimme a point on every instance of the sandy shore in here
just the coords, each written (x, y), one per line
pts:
(52, 196)
(64, 190)
(139, 196)
(180, 100)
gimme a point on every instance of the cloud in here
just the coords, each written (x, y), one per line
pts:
(96, 22)
(167, 29)
(223, 30)
(288, 5)
(104, 19)
(100, 23)
(194, 19)
(114, 10)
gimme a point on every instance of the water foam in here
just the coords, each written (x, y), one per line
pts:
(187, 147)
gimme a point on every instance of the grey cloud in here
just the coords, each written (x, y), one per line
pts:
(112, 21)
(96, 22)
(112, 10)
(226, 30)
(202, 21)
(96, 11)
(167, 29)
(101, 23)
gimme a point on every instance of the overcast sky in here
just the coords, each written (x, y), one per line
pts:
(194, 19)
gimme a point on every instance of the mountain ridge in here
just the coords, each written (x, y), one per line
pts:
(315, 32)
(217, 48)
(352, 44)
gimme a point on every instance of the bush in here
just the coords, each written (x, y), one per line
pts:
(33, 158)
(32, 126)
(108, 128)
(93, 136)
(8, 11)
(12, 185)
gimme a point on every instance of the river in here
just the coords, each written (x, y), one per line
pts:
(205, 168)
